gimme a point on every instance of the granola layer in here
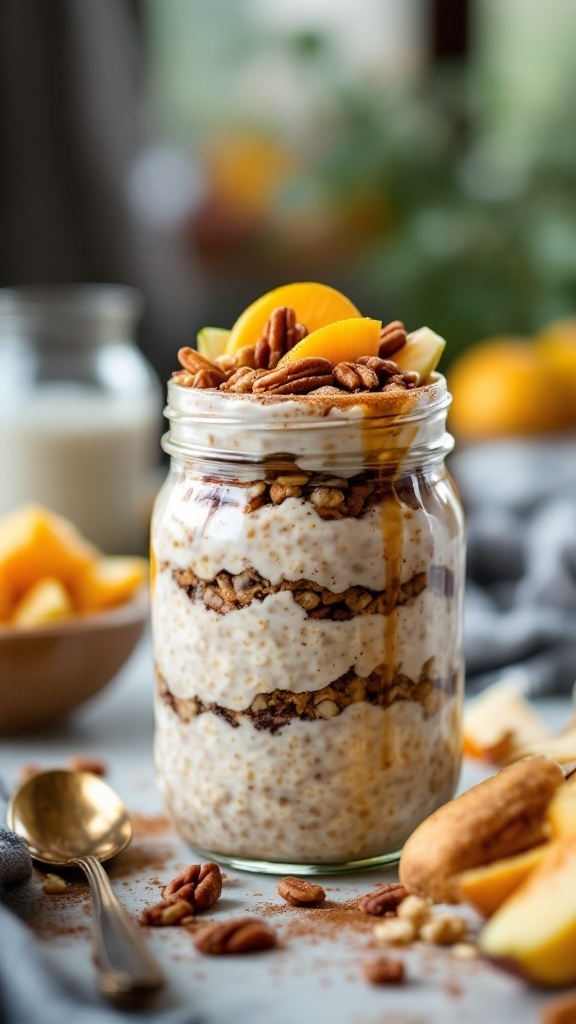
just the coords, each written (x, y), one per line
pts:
(272, 711)
(227, 592)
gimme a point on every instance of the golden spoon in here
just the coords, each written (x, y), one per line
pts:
(75, 819)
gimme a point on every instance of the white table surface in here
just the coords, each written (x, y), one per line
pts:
(313, 977)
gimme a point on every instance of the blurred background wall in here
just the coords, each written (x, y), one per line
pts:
(420, 154)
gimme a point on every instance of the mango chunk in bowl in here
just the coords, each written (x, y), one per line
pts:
(69, 617)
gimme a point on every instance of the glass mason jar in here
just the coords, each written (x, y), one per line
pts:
(307, 620)
(79, 409)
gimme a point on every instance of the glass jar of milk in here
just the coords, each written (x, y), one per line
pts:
(79, 409)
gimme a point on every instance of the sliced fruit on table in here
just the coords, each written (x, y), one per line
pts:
(500, 722)
(534, 931)
(561, 748)
(5, 598)
(342, 341)
(561, 812)
(315, 305)
(35, 543)
(47, 601)
(108, 582)
(421, 353)
(212, 342)
(502, 816)
(485, 888)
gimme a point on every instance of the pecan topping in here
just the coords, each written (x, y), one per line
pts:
(242, 935)
(384, 900)
(208, 378)
(299, 377)
(166, 914)
(383, 368)
(355, 376)
(241, 380)
(200, 885)
(384, 970)
(204, 373)
(280, 335)
(392, 338)
(300, 893)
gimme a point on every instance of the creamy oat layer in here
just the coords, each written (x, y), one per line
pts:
(352, 787)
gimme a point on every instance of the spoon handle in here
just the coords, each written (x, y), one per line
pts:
(127, 971)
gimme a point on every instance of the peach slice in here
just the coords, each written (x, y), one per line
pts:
(499, 723)
(485, 888)
(47, 601)
(343, 341)
(108, 582)
(316, 305)
(534, 931)
(35, 543)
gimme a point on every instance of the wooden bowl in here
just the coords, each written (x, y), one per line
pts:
(45, 673)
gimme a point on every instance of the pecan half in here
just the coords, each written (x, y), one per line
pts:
(241, 381)
(242, 935)
(192, 361)
(392, 338)
(300, 893)
(280, 335)
(384, 900)
(299, 377)
(355, 376)
(383, 368)
(167, 914)
(384, 970)
(200, 885)
(208, 378)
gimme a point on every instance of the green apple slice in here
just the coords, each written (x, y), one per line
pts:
(421, 353)
(212, 341)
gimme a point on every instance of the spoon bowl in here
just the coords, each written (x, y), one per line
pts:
(63, 815)
(74, 819)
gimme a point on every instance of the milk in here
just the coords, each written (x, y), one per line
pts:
(85, 454)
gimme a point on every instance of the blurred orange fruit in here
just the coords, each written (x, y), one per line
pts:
(342, 341)
(557, 345)
(506, 386)
(316, 305)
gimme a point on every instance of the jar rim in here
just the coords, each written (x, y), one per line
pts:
(228, 428)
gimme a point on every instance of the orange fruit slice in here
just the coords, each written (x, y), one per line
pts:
(343, 341)
(316, 305)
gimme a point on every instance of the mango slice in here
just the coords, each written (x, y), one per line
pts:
(212, 342)
(35, 543)
(499, 723)
(108, 582)
(421, 353)
(534, 931)
(343, 341)
(316, 305)
(485, 888)
(47, 601)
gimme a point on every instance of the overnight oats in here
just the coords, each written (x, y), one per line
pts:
(307, 605)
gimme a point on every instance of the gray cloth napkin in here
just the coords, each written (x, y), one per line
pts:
(520, 611)
(34, 989)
